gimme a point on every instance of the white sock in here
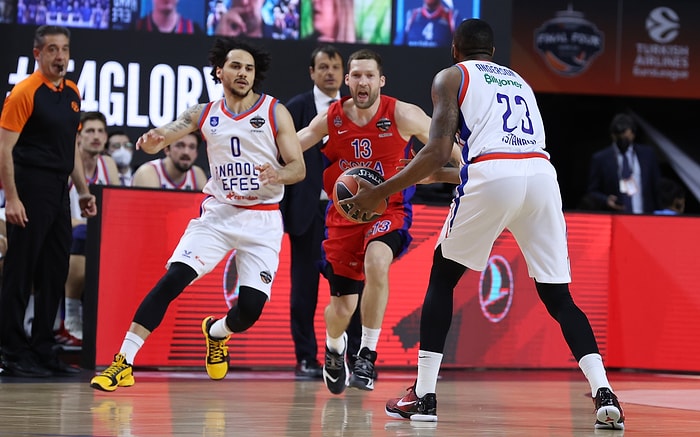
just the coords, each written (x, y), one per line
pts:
(370, 337)
(73, 308)
(593, 369)
(130, 347)
(428, 368)
(337, 345)
(219, 329)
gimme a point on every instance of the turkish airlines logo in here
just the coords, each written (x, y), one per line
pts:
(568, 43)
(663, 25)
(496, 289)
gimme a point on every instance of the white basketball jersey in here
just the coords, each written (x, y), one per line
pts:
(101, 177)
(164, 181)
(498, 112)
(236, 143)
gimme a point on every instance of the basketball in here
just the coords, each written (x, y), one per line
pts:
(346, 187)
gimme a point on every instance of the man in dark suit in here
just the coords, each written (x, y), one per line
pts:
(303, 214)
(624, 177)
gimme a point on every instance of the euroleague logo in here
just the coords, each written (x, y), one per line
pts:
(496, 289)
(662, 25)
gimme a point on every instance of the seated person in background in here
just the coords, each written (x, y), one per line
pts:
(624, 176)
(99, 169)
(177, 170)
(121, 149)
(165, 18)
(671, 198)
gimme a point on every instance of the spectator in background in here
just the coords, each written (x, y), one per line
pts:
(430, 25)
(121, 149)
(38, 151)
(243, 18)
(165, 18)
(217, 9)
(101, 170)
(303, 216)
(624, 176)
(671, 198)
(330, 21)
(177, 170)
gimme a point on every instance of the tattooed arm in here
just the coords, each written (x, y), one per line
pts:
(435, 154)
(157, 139)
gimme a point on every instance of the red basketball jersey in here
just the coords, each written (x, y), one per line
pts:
(377, 145)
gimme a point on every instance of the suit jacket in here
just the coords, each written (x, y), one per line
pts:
(301, 200)
(603, 178)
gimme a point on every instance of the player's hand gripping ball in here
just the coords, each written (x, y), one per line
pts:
(346, 187)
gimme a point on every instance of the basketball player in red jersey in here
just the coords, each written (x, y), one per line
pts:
(370, 130)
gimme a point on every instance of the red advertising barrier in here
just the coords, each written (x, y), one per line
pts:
(639, 48)
(634, 282)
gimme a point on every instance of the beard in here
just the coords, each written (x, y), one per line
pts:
(182, 166)
(241, 94)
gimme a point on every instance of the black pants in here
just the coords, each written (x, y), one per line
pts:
(36, 260)
(305, 257)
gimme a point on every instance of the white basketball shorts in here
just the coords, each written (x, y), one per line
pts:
(521, 195)
(255, 234)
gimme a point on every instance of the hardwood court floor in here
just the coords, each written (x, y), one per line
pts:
(247, 403)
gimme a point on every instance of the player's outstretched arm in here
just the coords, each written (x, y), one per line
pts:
(156, 139)
(314, 132)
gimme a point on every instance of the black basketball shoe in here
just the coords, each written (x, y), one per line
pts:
(363, 374)
(335, 369)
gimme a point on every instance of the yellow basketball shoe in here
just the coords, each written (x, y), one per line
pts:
(217, 351)
(118, 374)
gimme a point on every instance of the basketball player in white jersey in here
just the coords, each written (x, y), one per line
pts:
(508, 182)
(253, 152)
(177, 170)
(99, 170)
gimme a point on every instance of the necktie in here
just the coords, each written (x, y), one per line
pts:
(626, 169)
(625, 174)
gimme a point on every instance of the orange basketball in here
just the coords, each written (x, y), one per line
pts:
(346, 187)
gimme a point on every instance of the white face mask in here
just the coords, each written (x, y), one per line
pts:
(122, 156)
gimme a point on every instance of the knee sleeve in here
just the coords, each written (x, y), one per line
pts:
(153, 307)
(247, 309)
(573, 322)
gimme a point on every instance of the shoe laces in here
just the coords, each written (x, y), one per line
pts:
(334, 361)
(117, 366)
(363, 366)
(605, 398)
(217, 349)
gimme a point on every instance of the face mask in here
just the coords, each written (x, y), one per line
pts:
(622, 144)
(122, 156)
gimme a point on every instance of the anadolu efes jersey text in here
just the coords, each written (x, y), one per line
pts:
(236, 143)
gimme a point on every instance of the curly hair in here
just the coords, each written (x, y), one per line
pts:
(223, 45)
